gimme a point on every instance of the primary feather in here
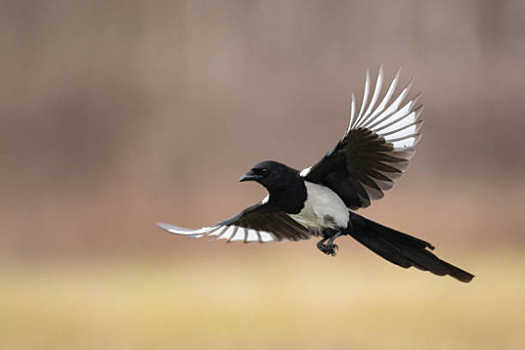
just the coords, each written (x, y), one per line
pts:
(376, 148)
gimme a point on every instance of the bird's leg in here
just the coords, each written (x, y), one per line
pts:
(321, 246)
(331, 244)
(328, 248)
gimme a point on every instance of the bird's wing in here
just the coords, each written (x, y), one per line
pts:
(375, 149)
(259, 223)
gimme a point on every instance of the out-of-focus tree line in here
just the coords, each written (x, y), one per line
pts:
(117, 114)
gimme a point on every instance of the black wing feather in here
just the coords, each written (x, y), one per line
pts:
(261, 222)
(267, 218)
(374, 152)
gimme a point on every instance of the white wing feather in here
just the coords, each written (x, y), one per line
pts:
(231, 233)
(399, 126)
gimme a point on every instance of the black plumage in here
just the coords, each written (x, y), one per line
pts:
(371, 156)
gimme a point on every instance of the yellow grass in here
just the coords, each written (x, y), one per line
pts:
(271, 301)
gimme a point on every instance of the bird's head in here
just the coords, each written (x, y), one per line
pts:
(272, 175)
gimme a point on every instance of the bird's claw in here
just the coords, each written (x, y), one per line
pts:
(328, 249)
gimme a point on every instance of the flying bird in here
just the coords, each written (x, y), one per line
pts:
(320, 200)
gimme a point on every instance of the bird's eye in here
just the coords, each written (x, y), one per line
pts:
(260, 171)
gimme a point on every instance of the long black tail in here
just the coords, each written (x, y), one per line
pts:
(402, 249)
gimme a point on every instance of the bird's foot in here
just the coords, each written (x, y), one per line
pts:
(328, 248)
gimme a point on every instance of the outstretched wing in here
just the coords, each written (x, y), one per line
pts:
(259, 223)
(375, 149)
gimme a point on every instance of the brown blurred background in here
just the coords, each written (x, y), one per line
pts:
(115, 115)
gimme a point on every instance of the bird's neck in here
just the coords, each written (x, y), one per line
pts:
(291, 198)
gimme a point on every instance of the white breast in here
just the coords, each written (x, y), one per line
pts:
(323, 208)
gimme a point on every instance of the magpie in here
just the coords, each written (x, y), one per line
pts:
(320, 200)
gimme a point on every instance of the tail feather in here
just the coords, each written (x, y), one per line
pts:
(401, 249)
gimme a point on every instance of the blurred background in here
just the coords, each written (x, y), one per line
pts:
(115, 115)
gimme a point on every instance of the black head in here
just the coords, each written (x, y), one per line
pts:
(272, 175)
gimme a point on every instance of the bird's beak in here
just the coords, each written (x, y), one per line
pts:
(249, 176)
